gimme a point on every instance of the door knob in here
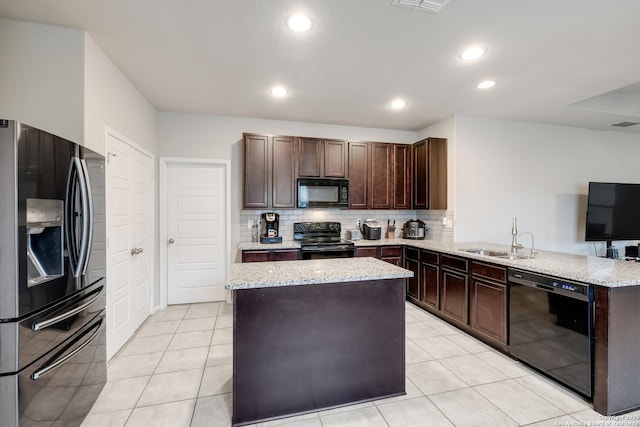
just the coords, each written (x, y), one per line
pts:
(133, 251)
(136, 251)
(171, 241)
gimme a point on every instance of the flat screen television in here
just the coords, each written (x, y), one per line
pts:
(613, 212)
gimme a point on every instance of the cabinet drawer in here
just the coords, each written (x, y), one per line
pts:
(370, 252)
(489, 271)
(430, 257)
(255, 256)
(390, 251)
(412, 253)
(455, 263)
(286, 255)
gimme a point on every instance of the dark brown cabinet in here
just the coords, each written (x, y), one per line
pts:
(454, 288)
(488, 300)
(322, 158)
(390, 254)
(430, 278)
(401, 176)
(381, 175)
(359, 187)
(269, 171)
(430, 174)
(367, 251)
(412, 262)
(263, 255)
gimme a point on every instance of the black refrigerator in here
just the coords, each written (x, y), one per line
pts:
(52, 278)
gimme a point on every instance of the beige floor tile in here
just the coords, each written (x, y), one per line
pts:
(222, 336)
(225, 310)
(506, 365)
(419, 330)
(362, 417)
(133, 366)
(190, 340)
(224, 322)
(469, 343)
(555, 393)
(432, 377)
(170, 313)
(109, 419)
(171, 387)
(213, 411)
(518, 402)
(203, 309)
(220, 355)
(178, 360)
(346, 408)
(305, 420)
(172, 414)
(565, 420)
(440, 347)
(416, 412)
(466, 407)
(415, 354)
(472, 370)
(198, 324)
(120, 394)
(411, 392)
(158, 328)
(145, 345)
(216, 380)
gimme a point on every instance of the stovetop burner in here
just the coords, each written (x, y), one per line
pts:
(318, 234)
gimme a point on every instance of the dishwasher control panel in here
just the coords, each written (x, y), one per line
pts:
(551, 284)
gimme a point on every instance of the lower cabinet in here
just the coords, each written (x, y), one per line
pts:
(264, 255)
(430, 278)
(488, 301)
(390, 254)
(454, 288)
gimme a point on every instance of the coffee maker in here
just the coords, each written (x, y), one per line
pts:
(270, 223)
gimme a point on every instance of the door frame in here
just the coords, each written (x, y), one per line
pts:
(165, 163)
(108, 214)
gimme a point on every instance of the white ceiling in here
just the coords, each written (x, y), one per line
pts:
(221, 57)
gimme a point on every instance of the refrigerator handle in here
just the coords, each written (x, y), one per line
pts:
(69, 216)
(87, 219)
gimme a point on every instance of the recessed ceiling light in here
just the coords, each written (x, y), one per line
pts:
(398, 104)
(299, 23)
(473, 52)
(279, 91)
(486, 84)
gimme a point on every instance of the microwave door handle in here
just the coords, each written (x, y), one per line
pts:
(87, 218)
(70, 229)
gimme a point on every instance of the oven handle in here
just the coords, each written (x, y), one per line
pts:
(45, 370)
(339, 248)
(67, 314)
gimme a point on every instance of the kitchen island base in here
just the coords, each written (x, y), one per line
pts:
(304, 348)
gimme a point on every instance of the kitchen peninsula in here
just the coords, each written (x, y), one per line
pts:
(315, 334)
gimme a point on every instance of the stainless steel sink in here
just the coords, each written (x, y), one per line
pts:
(493, 253)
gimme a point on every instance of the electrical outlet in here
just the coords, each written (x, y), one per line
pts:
(359, 223)
(250, 224)
(444, 221)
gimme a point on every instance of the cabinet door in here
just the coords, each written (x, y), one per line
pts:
(413, 283)
(371, 251)
(381, 175)
(454, 296)
(401, 176)
(489, 309)
(284, 172)
(309, 157)
(437, 173)
(391, 254)
(335, 159)
(255, 256)
(358, 175)
(420, 175)
(256, 171)
(430, 284)
(285, 255)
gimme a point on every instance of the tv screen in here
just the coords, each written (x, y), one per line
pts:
(613, 211)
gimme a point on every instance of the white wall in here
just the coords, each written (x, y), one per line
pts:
(111, 100)
(219, 137)
(41, 77)
(538, 173)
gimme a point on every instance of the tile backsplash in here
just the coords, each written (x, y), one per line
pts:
(348, 219)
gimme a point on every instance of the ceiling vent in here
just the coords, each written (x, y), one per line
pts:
(434, 6)
(625, 124)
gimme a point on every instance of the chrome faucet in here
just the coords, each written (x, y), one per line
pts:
(514, 240)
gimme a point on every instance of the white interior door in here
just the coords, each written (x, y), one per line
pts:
(130, 236)
(196, 231)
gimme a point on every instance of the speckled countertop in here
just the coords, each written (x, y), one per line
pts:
(253, 246)
(311, 272)
(587, 269)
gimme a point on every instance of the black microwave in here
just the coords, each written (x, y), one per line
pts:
(323, 193)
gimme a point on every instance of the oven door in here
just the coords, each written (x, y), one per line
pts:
(324, 252)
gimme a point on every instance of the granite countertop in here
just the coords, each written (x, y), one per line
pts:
(587, 269)
(252, 246)
(310, 272)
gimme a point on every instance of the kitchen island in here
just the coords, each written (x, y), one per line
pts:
(315, 334)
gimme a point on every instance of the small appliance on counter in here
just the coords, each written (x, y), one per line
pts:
(414, 229)
(270, 225)
(371, 230)
(355, 234)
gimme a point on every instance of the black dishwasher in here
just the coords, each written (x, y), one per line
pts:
(551, 327)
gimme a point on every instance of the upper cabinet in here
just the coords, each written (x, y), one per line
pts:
(430, 174)
(269, 171)
(358, 174)
(322, 158)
